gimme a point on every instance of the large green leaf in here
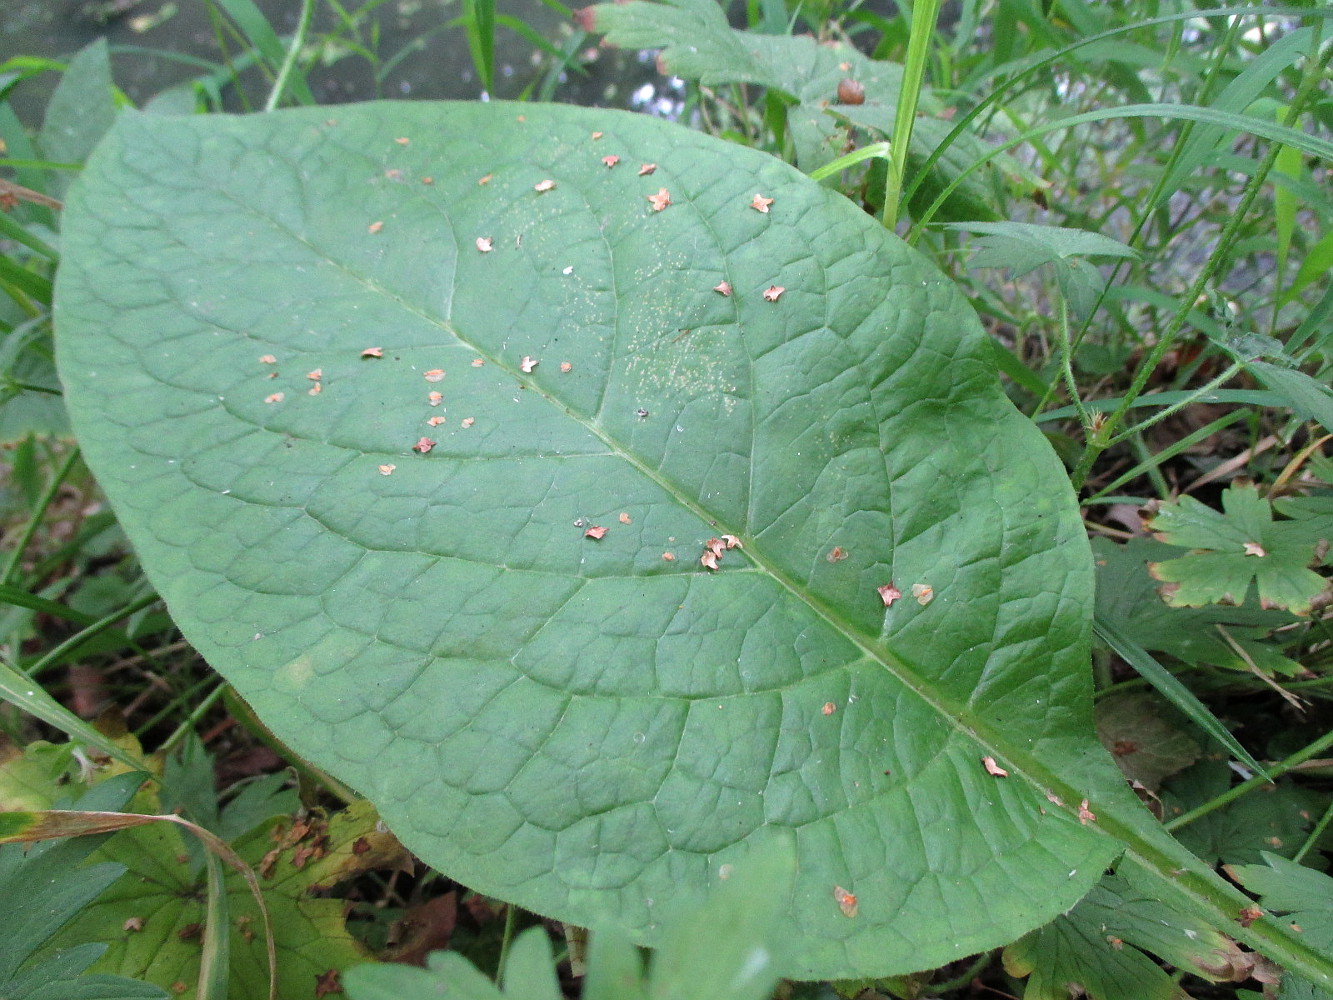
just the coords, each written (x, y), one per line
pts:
(582, 725)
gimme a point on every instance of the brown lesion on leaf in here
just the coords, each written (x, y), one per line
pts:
(993, 769)
(847, 901)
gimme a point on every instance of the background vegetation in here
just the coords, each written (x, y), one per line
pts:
(1134, 196)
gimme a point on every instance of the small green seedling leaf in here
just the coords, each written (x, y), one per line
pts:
(449, 974)
(1235, 548)
(722, 950)
(529, 970)
(1021, 247)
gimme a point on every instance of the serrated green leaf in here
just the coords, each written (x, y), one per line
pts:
(1128, 600)
(1068, 956)
(1021, 247)
(166, 895)
(574, 723)
(1309, 399)
(43, 888)
(1304, 898)
(698, 43)
(1098, 948)
(1314, 515)
(1238, 546)
(1272, 818)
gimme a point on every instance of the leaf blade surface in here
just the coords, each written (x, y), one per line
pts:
(578, 724)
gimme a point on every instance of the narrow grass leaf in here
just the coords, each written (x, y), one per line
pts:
(265, 42)
(26, 694)
(215, 952)
(1309, 398)
(1249, 84)
(1170, 688)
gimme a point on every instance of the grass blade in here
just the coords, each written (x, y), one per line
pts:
(1175, 692)
(24, 693)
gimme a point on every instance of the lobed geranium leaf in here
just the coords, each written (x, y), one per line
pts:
(509, 638)
(1237, 547)
(1101, 948)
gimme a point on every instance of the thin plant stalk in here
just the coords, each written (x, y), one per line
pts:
(924, 15)
(511, 923)
(15, 558)
(1315, 834)
(57, 654)
(1067, 368)
(293, 51)
(189, 722)
(1236, 791)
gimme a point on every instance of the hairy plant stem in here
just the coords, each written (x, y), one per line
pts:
(1236, 791)
(1105, 435)
(293, 51)
(1215, 383)
(1067, 369)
